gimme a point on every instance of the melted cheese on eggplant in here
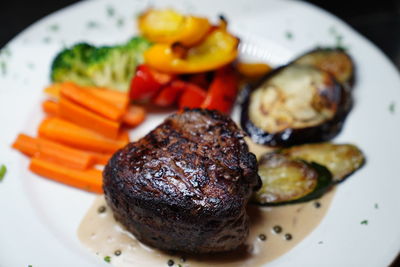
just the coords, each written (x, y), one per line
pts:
(293, 98)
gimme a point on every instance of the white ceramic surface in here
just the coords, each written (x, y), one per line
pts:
(39, 218)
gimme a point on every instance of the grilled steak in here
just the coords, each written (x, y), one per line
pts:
(185, 186)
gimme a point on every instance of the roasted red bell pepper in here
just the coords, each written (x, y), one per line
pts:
(192, 97)
(165, 90)
(185, 93)
(223, 89)
(169, 94)
(147, 82)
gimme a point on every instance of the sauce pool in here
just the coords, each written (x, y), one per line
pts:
(273, 232)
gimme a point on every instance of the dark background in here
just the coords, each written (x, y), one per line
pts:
(379, 21)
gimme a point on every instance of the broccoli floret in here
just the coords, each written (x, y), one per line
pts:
(71, 64)
(106, 66)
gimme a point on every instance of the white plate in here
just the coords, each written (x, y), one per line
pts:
(40, 218)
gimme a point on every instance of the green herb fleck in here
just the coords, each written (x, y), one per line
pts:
(120, 22)
(31, 65)
(179, 265)
(92, 24)
(54, 27)
(392, 107)
(339, 42)
(29, 265)
(3, 170)
(107, 259)
(110, 11)
(365, 222)
(376, 206)
(46, 40)
(3, 67)
(289, 35)
(5, 51)
(332, 30)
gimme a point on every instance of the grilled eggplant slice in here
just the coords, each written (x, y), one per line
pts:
(333, 60)
(295, 104)
(287, 180)
(341, 160)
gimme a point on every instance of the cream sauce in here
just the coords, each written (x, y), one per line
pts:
(104, 236)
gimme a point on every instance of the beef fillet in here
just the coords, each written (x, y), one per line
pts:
(185, 186)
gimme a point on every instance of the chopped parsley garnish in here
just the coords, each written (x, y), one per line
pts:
(3, 67)
(110, 11)
(3, 170)
(338, 38)
(365, 222)
(120, 22)
(92, 24)
(332, 30)
(392, 107)
(5, 51)
(31, 65)
(107, 259)
(54, 27)
(47, 40)
(289, 35)
(376, 206)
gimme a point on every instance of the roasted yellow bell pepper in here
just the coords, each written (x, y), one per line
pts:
(216, 50)
(169, 26)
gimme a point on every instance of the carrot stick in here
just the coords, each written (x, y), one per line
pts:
(118, 99)
(100, 158)
(71, 134)
(124, 136)
(50, 107)
(53, 90)
(84, 98)
(134, 116)
(54, 152)
(87, 119)
(89, 180)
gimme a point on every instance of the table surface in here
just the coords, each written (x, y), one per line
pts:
(379, 21)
